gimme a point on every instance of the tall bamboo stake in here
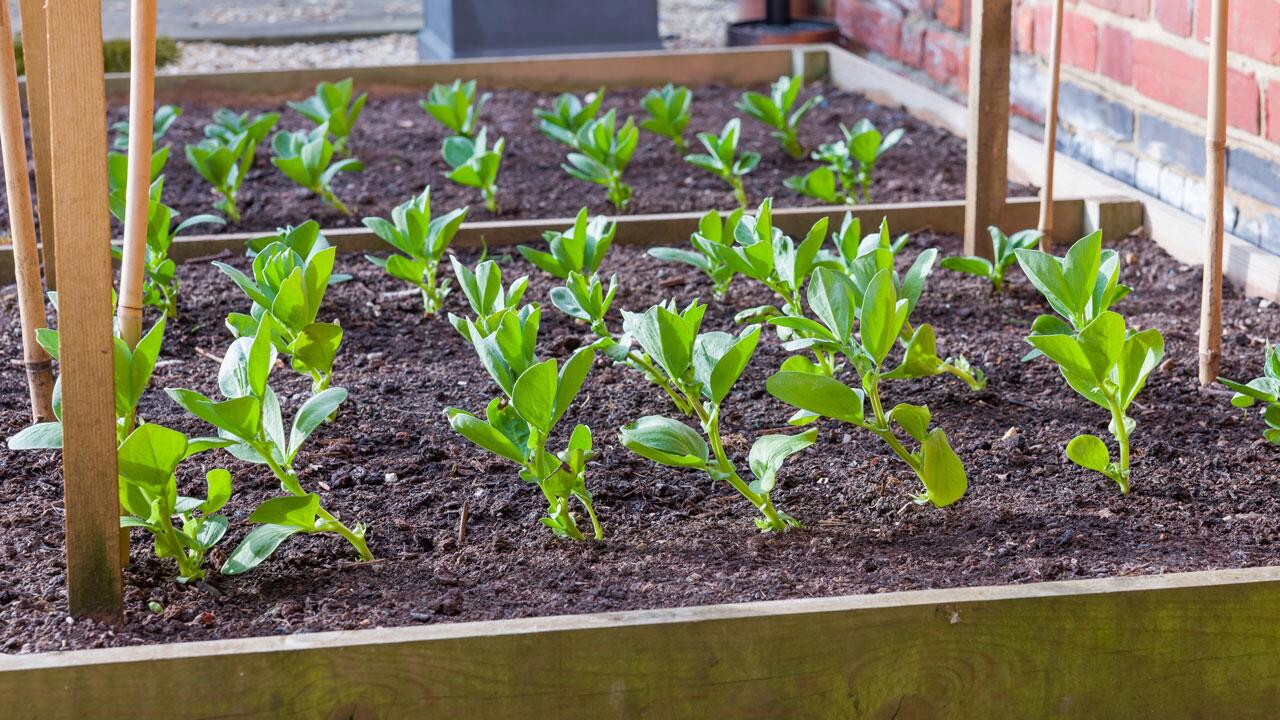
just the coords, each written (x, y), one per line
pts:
(142, 69)
(1051, 129)
(1215, 145)
(22, 228)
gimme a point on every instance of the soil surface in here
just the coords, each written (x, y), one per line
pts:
(1204, 481)
(399, 145)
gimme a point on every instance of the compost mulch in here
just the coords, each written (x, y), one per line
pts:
(1204, 494)
(399, 145)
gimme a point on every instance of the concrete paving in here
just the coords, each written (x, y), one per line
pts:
(265, 21)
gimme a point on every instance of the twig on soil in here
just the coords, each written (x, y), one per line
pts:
(677, 280)
(208, 258)
(462, 522)
(206, 354)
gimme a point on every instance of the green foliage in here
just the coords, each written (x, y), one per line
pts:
(603, 152)
(536, 395)
(332, 108)
(848, 165)
(118, 158)
(775, 110)
(163, 119)
(455, 106)
(703, 368)
(1264, 390)
(714, 236)
(160, 283)
(568, 115)
(290, 275)
(721, 158)
(1004, 248)
(224, 156)
(115, 54)
(580, 248)
(1098, 356)
(251, 420)
(422, 240)
(147, 461)
(307, 159)
(668, 110)
(864, 324)
(475, 164)
(488, 298)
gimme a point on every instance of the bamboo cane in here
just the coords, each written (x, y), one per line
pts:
(1215, 145)
(1051, 130)
(22, 228)
(142, 69)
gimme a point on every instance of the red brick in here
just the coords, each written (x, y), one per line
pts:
(951, 13)
(870, 26)
(1175, 15)
(1181, 80)
(911, 45)
(1273, 110)
(1128, 8)
(1253, 27)
(1115, 54)
(946, 58)
(1079, 37)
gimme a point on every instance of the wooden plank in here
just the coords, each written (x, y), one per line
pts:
(675, 228)
(79, 133)
(35, 45)
(1183, 645)
(732, 66)
(986, 169)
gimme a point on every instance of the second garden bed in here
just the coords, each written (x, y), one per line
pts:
(1202, 498)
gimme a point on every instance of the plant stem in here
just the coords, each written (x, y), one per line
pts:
(329, 198)
(1122, 439)
(491, 198)
(291, 484)
(739, 192)
(725, 469)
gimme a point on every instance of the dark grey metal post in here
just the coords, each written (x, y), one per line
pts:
(489, 28)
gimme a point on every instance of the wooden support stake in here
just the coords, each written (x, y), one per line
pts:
(35, 44)
(142, 72)
(79, 142)
(987, 171)
(1215, 144)
(22, 228)
(1051, 130)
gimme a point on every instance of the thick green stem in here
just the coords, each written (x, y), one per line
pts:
(290, 483)
(1121, 435)
(490, 198)
(739, 192)
(885, 431)
(328, 197)
(725, 469)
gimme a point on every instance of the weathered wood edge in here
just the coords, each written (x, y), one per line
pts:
(674, 228)
(1195, 644)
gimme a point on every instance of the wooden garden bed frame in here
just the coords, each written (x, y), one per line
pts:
(1190, 644)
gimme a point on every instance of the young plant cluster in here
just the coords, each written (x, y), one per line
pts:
(472, 159)
(307, 157)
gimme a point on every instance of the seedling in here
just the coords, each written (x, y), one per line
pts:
(721, 158)
(475, 164)
(455, 106)
(423, 241)
(487, 296)
(307, 159)
(536, 396)
(1264, 390)
(224, 156)
(775, 110)
(668, 109)
(1098, 356)
(163, 119)
(713, 238)
(290, 275)
(250, 417)
(703, 368)
(848, 165)
(1004, 248)
(603, 152)
(881, 315)
(160, 284)
(333, 109)
(580, 248)
(568, 115)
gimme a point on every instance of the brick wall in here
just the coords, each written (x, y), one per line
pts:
(1134, 87)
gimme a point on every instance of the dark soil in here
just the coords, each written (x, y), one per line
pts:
(1204, 481)
(400, 147)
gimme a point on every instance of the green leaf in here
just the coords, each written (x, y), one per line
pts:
(665, 441)
(769, 452)
(817, 394)
(483, 434)
(882, 316)
(256, 547)
(1089, 452)
(211, 531)
(980, 267)
(941, 470)
(149, 456)
(218, 481)
(572, 374)
(294, 511)
(719, 359)
(239, 416)
(316, 347)
(534, 394)
(41, 436)
(312, 415)
(912, 418)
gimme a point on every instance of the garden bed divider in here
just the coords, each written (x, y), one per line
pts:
(1199, 644)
